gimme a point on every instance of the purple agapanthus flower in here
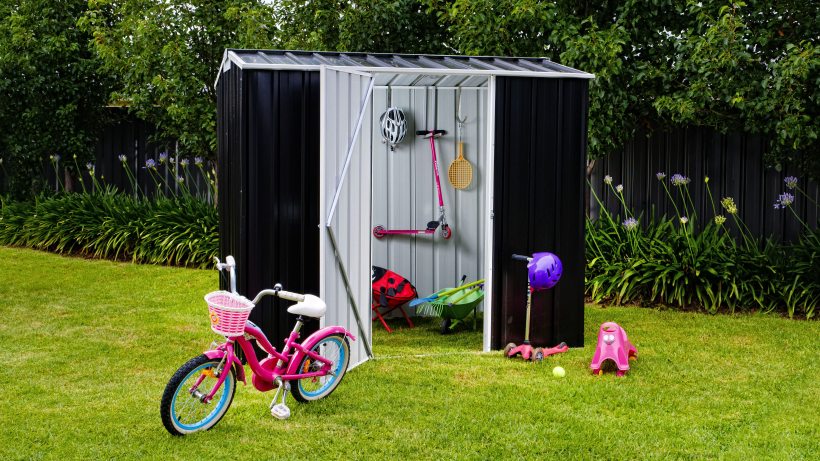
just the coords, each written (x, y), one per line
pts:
(163, 157)
(608, 179)
(791, 181)
(90, 166)
(660, 175)
(184, 162)
(783, 200)
(122, 158)
(198, 161)
(150, 163)
(630, 223)
(679, 180)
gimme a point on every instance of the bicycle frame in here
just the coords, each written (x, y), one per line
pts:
(380, 231)
(286, 361)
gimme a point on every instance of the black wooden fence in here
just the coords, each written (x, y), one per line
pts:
(135, 139)
(734, 164)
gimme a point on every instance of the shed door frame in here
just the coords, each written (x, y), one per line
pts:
(330, 240)
(343, 258)
(488, 244)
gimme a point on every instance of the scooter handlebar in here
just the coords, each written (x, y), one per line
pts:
(428, 133)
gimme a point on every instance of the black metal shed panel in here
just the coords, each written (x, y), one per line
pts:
(540, 153)
(268, 205)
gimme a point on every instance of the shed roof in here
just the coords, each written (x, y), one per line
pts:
(404, 69)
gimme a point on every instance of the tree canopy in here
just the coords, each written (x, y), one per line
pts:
(165, 56)
(52, 95)
(727, 65)
(732, 66)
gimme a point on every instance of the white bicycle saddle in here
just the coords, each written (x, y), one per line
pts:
(312, 306)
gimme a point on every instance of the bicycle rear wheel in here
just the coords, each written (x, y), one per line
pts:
(182, 410)
(334, 348)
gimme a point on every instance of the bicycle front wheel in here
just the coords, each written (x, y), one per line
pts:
(182, 409)
(334, 348)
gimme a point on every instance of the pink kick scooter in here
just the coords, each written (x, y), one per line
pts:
(544, 270)
(380, 231)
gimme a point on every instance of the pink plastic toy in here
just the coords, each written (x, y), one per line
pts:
(613, 345)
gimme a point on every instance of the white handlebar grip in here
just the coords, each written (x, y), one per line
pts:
(291, 296)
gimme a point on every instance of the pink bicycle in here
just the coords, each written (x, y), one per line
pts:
(201, 391)
(446, 232)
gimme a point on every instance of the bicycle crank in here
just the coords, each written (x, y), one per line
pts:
(280, 410)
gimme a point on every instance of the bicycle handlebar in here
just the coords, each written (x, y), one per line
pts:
(277, 291)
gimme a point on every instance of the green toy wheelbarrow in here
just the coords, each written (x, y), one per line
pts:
(453, 304)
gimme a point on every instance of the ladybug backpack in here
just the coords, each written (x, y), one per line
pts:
(391, 291)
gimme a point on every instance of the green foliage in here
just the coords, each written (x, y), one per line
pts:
(177, 231)
(677, 262)
(395, 26)
(166, 56)
(732, 66)
(52, 94)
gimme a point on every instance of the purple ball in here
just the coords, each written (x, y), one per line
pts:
(544, 271)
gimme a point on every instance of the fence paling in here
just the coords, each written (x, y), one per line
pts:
(734, 164)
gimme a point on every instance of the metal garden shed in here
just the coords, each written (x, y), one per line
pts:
(304, 176)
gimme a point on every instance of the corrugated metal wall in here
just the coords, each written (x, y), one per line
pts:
(540, 152)
(404, 190)
(735, 166)
(268, 134)
(343, 99)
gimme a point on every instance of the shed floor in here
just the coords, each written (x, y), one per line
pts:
(425, 338)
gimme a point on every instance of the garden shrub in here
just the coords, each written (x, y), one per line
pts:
(102, 222)
(681, 262)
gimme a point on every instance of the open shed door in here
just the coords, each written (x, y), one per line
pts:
(344, 269)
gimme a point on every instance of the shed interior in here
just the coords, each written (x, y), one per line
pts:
(404, 190)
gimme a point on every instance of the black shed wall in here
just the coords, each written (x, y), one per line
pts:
(540, 154)
(268, 136)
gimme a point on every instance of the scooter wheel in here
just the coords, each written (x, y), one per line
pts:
(446, 232)
(508, 348)
(378, 232)
(538, 354)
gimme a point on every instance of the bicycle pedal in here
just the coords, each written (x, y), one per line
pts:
(280, 411)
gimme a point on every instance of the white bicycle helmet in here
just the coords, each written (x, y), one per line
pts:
(394, 126)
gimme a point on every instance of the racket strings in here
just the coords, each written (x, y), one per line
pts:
(460, 173)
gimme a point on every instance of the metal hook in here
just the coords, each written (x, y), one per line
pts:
(459, 118)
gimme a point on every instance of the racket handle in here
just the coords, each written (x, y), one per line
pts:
(461, 149)
(521, 258)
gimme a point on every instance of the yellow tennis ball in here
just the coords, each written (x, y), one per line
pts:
(559, 372)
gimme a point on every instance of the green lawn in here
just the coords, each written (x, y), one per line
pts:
(89, 345)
